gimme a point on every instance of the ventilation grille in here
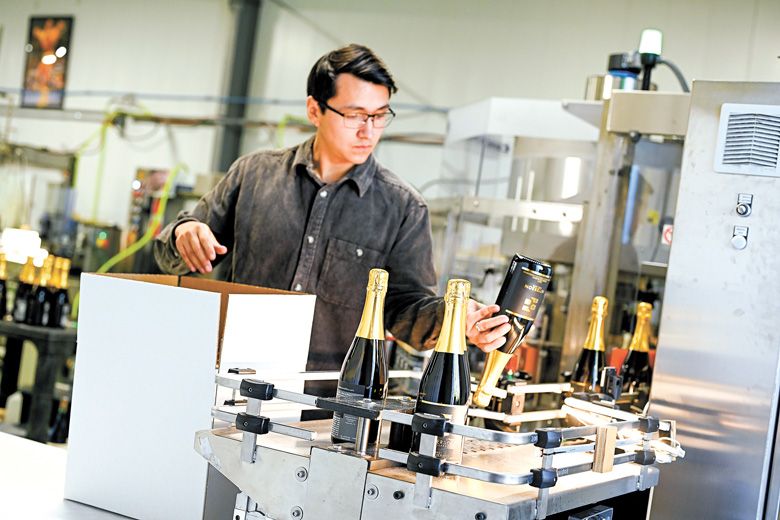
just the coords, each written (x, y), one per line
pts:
(752, 139)
(749, 140)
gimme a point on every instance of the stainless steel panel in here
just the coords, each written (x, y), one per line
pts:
(335, 486)
(649, 113)
(716, 370)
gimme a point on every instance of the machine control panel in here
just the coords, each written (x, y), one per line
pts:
(739, 237)
(744, 204)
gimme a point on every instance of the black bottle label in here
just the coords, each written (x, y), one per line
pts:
(20, 311)
(345, 425)
(64, 314)
(449, 447)
(524, 292)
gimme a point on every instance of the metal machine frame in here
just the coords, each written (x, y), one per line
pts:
(290, 471)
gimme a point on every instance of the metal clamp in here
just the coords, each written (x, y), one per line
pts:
(424, 464)
(431, 424)
(252, 423)
(256, 389)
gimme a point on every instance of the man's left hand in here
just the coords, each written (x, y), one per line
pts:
(486, 332)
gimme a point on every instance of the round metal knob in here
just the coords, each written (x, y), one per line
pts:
(739, 242)
(743, 210)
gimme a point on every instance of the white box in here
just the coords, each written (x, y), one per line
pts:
(144, 384)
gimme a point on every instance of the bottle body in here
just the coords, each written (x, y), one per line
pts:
(39, 301)
(58, 296)
(520, 299)
(58, 433)
(23, 291)
(445, 386)
(587, 370)
(364, 370)
(363, 376)
(3, 287)
(636, 371)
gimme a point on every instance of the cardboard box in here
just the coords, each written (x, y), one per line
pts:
(148, 347)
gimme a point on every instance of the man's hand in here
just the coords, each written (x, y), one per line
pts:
(197, 246)
(485, 332)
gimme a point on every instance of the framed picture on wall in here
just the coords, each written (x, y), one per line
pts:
(46, 61)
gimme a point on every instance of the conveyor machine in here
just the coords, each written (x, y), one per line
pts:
(294, 471)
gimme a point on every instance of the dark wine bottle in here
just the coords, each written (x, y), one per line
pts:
(23, 291)
(58, 433)
(58, 297)
(39, 302)
(364, 370)
(520, 298)
(636, 371)
(3, 287)
(587, 370)
(445, 386)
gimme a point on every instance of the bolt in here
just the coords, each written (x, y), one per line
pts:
(296, 512)
(301, 474)
(398, 495)
(372, 492)
(480, 516)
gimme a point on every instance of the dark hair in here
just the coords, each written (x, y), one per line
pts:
(353, 59)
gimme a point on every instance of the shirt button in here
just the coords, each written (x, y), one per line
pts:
(359, 252)
(310, 239)
(323, 194)
(298, 287)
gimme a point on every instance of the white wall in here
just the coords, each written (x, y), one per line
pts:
(453, 52)
(144, 46)
(442, 52)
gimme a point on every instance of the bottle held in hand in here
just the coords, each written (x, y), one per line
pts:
(520, 298)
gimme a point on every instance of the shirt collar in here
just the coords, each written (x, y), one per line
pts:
(360, 175)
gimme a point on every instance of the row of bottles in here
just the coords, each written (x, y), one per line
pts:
(635, 370)
(445, 383)
(445, 386)
(41, 295)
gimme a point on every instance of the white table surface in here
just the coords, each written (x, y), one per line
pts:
(32, 483)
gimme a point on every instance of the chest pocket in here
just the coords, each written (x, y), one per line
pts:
(344, 272)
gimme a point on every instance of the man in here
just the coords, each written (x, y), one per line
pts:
(318, 216)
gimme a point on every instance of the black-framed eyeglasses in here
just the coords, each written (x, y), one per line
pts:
(359, 119)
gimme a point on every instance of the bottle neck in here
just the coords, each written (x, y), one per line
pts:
(640, 341)
(372, 324)
(595, 338)
(28, 273)
(452, 338)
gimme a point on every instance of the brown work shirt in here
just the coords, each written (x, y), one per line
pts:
(287, 229)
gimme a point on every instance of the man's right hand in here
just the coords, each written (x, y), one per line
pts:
(197, 246)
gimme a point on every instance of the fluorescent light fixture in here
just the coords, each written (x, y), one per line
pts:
(49, 59)
(571, 177)
(60, 52)
(19, 244)
(651, 42)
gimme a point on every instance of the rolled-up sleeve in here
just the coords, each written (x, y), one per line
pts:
(216, 209)
(413, 313)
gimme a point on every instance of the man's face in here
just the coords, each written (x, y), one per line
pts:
(353, 95)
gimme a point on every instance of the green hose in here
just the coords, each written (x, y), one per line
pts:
(150, 229)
